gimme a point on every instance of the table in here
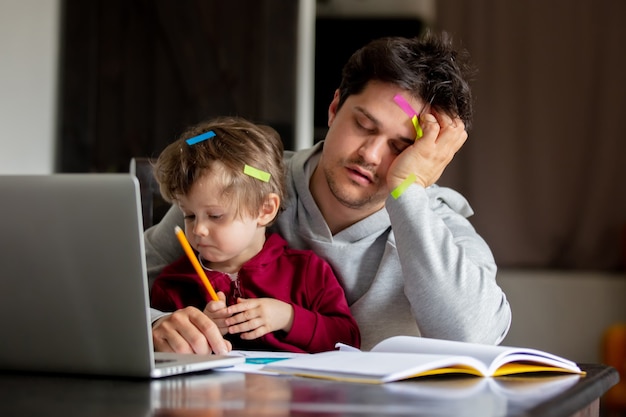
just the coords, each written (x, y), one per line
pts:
(217, 394)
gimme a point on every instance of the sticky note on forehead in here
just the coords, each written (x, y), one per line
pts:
(200, 138)
(410, 111)
(404, 105)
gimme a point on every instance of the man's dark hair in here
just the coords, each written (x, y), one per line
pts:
(429, 67)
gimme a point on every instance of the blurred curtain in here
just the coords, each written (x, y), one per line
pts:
(544, 165)
(136, 73)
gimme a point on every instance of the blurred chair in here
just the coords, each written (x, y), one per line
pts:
(153, 206)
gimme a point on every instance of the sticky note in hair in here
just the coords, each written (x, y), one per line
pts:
(200, 138)
(256, 173)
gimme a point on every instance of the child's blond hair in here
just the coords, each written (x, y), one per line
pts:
(237, 143)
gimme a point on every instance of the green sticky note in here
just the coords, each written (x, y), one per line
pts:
(256, 173)
(418, 129)
(397, 192)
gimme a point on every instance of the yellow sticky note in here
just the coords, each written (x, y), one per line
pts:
(418, 129)
(256, 173)
(397, 192)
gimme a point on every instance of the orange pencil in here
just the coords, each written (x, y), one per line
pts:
(194, 261)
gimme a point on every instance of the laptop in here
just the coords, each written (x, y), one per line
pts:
(73, 281)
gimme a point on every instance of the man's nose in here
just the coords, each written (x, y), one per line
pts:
(372, 150)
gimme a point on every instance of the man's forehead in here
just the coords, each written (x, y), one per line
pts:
(381, 95)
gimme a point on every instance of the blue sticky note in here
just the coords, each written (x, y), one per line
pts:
(200, 138)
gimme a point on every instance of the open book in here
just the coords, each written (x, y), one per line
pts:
(403, 357)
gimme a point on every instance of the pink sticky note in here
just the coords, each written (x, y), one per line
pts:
(404, 105)
(413, 115)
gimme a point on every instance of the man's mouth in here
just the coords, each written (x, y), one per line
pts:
(360, 175)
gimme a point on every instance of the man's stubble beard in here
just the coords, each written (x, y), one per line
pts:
(374, 201)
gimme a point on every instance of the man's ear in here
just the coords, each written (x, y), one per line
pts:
(269, 209)
(332, 108)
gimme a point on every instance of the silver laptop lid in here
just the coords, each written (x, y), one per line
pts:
(73, 287)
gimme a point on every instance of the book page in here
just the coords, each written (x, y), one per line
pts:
(409, 344)
(375, 367)
(492, 356)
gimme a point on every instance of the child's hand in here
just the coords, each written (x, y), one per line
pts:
(255, 317)
(217, 311)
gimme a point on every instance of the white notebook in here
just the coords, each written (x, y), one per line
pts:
(404, 357)
(74, 296)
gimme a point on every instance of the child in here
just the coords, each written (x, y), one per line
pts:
(227, 177)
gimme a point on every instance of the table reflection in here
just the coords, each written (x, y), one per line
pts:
(223, 394)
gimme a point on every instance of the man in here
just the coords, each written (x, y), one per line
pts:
(365, 199)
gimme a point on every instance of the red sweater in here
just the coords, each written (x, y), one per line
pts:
(298, 277)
